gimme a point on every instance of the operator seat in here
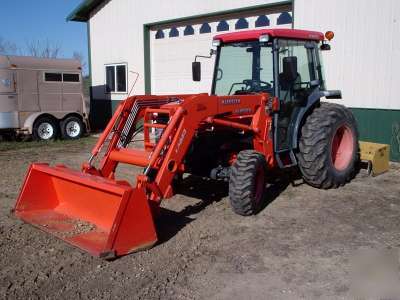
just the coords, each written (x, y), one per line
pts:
(286, 81)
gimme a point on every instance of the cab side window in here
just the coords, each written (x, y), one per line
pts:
(296, 68)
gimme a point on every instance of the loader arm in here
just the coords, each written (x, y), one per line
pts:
(107, 217)
(188, 113)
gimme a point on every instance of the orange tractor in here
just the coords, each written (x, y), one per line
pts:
(263, 114)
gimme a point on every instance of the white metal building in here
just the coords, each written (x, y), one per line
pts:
(159, 39)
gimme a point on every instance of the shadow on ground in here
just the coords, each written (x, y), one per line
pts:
(207, 191)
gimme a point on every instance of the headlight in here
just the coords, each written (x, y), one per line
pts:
(264, 38)
(216, 43)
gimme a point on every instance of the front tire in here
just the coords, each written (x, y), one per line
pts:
(71, 128)
(328, 149)
(44, 129)
(247, 182)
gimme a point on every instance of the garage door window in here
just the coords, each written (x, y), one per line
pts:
(241, 24)
(205, 28)
(173, 32)
(284, 18)
(116, 78)
(159, 34)
(223, 26)
(188, 30)
(262, 21)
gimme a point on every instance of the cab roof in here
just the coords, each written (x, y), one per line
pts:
(249, 35)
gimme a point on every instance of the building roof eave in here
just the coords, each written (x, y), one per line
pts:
(82, 12)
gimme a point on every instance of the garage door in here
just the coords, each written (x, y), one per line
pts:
(174, 46)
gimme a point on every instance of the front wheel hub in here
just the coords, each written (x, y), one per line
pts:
(342, 147)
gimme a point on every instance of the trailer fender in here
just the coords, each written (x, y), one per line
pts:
(58, 115)
(312, 99)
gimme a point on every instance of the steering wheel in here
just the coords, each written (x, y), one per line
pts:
(256, 85)
(251, 86)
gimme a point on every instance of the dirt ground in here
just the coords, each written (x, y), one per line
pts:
(299, 246)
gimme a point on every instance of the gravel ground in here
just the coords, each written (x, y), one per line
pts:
(299, 246)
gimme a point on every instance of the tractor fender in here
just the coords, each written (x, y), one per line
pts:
(312, 99)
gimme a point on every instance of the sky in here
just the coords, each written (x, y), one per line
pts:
(24, 21)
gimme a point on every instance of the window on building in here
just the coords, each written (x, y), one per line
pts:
(52, 76)
(284, 18)
(188, 30)
(241, 24)
(205, 28)
(116, 78)
(223, 26)
(159, 34)
(173, 32)
(262, 21)
(70, 77)
(121, 78)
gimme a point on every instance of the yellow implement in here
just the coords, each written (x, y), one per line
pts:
(376, 156)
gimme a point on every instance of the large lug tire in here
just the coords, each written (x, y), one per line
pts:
(247, 182)
(45, 129)
(328, 154)
(71, 128)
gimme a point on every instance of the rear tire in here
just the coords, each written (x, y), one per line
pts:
(71, 128)
(247, 182)
(44, 129)
(328, 149)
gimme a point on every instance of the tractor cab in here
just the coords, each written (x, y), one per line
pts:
(284, 63)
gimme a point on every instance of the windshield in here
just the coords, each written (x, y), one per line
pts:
(244, 68)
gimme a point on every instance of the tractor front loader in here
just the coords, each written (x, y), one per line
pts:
(264, 113)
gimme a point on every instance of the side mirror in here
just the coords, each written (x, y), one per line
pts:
(290, 68)
(196, 71)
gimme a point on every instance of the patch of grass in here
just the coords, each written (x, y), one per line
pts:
(6, 146)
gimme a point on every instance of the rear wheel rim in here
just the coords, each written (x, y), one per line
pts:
(45, 131)
(259, 186)
(342, 147)
(73, 129)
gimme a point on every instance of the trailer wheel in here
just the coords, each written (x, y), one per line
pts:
(247, 182)
(328, 149)
(44, 129)
(71, 128)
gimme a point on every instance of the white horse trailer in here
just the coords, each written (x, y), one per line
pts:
(42, 97)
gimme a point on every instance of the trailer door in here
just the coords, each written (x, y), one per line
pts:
(72, 92)
(27, 86)
(50, 90)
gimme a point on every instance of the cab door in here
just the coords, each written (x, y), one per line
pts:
(296, 79)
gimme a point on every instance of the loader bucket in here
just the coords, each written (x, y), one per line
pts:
(101, 216)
